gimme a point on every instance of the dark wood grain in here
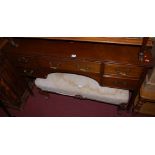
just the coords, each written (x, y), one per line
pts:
(12, 86)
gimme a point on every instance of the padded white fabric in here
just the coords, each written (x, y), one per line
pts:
(72, 85)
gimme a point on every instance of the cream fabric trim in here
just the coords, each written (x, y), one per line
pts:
(72, 85)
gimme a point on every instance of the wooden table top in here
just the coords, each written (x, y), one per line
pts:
(119, 40)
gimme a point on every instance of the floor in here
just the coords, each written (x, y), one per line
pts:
(39, 105)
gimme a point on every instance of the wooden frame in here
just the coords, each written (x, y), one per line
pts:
(117, 40)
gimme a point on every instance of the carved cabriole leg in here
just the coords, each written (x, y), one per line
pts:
(136, 91)
(131, 101)
(121, 108)
(139, 104)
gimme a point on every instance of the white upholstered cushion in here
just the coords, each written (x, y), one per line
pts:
(72, 85)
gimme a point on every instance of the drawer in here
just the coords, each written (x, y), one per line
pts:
(55, 64)
(122, 70)
(80, 66)
(122, 83)
(49, 62)
(69, 65)
(91, 67)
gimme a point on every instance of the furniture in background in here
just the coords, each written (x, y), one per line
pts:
(114, 63)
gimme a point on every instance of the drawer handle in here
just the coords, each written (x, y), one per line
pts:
(73, 56)
(52, 66)
(84, 69)
(23, 59)
(124, 73)
(29, 72)
(25, 71)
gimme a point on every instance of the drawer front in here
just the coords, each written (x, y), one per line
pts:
(91, 67)
(69, 65)
(80, 66)
(121, 83)
(124, 71)
(49, 62)
(55, 64)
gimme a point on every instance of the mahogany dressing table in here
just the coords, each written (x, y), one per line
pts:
(113, 62)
